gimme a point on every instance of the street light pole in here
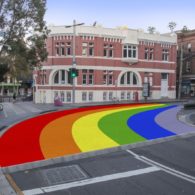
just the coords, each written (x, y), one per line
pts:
(73, 56)
(180, 72)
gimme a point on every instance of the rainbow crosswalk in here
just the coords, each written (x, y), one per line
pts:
(80, 130)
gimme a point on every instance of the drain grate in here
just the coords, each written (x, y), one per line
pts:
(59, 175)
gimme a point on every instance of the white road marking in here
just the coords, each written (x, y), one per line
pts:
(163, 167)
(18, 110)
(91, 181)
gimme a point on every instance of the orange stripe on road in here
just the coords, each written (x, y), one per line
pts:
(56, 138)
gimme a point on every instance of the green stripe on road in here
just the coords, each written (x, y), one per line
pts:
(115, 126)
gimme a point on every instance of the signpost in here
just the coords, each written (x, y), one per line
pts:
(146, 90)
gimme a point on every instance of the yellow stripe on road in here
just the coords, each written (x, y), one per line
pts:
(87, 134)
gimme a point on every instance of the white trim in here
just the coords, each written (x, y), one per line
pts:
(157, 61)
(134, 71)
(66, 67)
(122, 69)
(90, 181)
(113, 58)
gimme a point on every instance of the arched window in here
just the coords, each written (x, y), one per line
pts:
(129, 78)
(61, 77)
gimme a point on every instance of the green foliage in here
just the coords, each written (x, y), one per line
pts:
(172, 25)
(151, 29)
(185, 29)
(3, 71)
(25, 33)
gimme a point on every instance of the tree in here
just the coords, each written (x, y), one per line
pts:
(172, 26)
(185, 29)
(3, 71)
(151, 29)
(25, 32)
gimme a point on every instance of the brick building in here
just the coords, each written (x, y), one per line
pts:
(112, 64)
(186, 60)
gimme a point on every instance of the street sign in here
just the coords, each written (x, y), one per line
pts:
(146, 90)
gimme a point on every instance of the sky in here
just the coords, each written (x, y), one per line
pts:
(136, 14)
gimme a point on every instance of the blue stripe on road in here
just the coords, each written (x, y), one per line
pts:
(144, 124)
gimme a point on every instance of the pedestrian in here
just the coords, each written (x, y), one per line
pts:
(14, 97)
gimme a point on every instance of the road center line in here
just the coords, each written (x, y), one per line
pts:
(91, 181)
(163, 167)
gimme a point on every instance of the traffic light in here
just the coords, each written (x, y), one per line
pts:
(73, 72)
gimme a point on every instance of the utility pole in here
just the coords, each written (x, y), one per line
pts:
(180, 72)
(73, 56)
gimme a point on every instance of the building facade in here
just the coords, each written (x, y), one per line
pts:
(186, 64)
(113, 64)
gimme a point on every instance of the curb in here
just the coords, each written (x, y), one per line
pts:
(52, 161)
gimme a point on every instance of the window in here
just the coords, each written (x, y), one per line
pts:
(125, 51)
(110, 53)
(56, 78)
(90, 79)
(108, 77)
(122, 95)
(84, 96)
(110, 95)
(55, 94)
(91, 49)
(151, 57)
(164, 76)
(68, 48)
(129, 78)
(146, 54)
(84, 79)
(135, 79)
(84, 49)
(165, 55)
(61, 77)
(104, 79)
(57, 51)
(62, 51)
(188, 66)
(62, 97)
(105, 52)
(123, 80)
(90, 96)
(88, 49)
(128, 95)
(110, 80)
(129, 51)
(104, 96)
(108, 50)
(68, 96)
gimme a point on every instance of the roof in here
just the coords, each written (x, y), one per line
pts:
(127, 35)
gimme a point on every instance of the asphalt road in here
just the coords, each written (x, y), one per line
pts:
(164, 168)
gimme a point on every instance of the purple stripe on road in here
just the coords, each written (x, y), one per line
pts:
(168, 120)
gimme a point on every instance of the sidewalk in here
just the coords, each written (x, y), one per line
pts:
(187, 116)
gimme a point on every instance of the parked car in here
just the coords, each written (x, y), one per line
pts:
(29, 97)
